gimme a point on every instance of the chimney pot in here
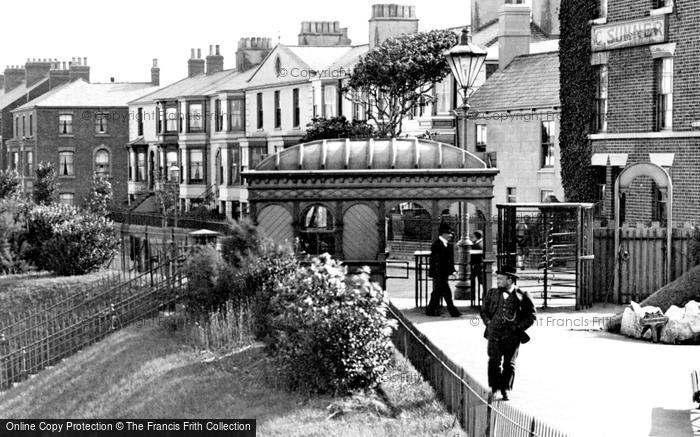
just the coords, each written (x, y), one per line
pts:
(199, 53)
(155, 63)
(217, 50)
(85, 61)
(211, 50)
(192, 55)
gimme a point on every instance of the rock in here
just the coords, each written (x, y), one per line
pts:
(670, 332)
(692, 314)
(631, 320)
(630, 324)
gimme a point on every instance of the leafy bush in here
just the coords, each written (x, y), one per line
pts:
(69, 242)
(12, 236)
(40, 224)
(331, 333)
(10, 184)
(202, 270)
(259, 280)
(45, 186)
(337, 127)
(242, 241)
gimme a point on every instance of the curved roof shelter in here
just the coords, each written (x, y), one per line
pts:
(358, 181)
(371, 154)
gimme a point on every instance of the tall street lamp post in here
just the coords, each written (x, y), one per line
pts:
(466, 60)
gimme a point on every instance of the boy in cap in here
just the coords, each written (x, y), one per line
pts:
(442, 265)
(507, 311)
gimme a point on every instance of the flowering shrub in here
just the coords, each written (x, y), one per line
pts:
(330, 332)
(69, 242)
(10, 184)
(100, 197)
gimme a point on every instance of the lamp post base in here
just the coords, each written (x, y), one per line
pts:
(463, 290)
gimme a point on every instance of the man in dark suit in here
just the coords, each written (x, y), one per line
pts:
(442, 265)
(507, 311)
(476, 261)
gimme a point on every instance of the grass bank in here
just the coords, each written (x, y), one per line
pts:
(150, 370)
(19, 293)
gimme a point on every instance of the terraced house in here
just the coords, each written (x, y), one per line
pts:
(20, 84)
(81, 128)
(192, 133)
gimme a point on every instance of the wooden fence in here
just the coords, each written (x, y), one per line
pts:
(642, 261)
(461, 394)
(44, 337)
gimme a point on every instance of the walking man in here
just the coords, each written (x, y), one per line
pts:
(442, 265)
(507, 311)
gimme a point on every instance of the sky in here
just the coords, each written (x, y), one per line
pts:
(121, 38)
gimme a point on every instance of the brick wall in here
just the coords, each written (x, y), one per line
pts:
(85, 143)
(631, 71)
(684, 174)
(631, 109)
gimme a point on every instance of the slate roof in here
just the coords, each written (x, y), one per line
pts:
(6, 99)
(319, 58)
(85, 94)
(528, 82)
(348, 60)
(200, 85)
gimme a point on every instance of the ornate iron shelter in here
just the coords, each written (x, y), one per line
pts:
(334, 195)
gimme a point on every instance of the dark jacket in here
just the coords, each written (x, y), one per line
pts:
(525, 314)
(442, 260)
(477, 256)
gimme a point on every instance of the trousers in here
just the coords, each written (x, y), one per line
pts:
(441, 289)
(502, 350)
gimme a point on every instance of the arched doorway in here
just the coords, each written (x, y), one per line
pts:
(317, 232)
(623, 184)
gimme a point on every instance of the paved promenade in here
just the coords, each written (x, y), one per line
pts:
(573, 375)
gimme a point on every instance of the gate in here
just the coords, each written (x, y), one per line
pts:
(551, 244)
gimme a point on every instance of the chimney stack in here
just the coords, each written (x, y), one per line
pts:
(323, 34)
(390, 20)
(155, 73)
(58, 75)
(14, 76)
(251, 52)
(79, 71)
(513, 33)
(36, 70)
(195, 66)
(215, 62)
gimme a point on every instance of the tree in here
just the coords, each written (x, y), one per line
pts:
(398, 75)
(168, 194)
(577, 85)
(101, 196)
(46, 185)
(10, 184)
(337, 127)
